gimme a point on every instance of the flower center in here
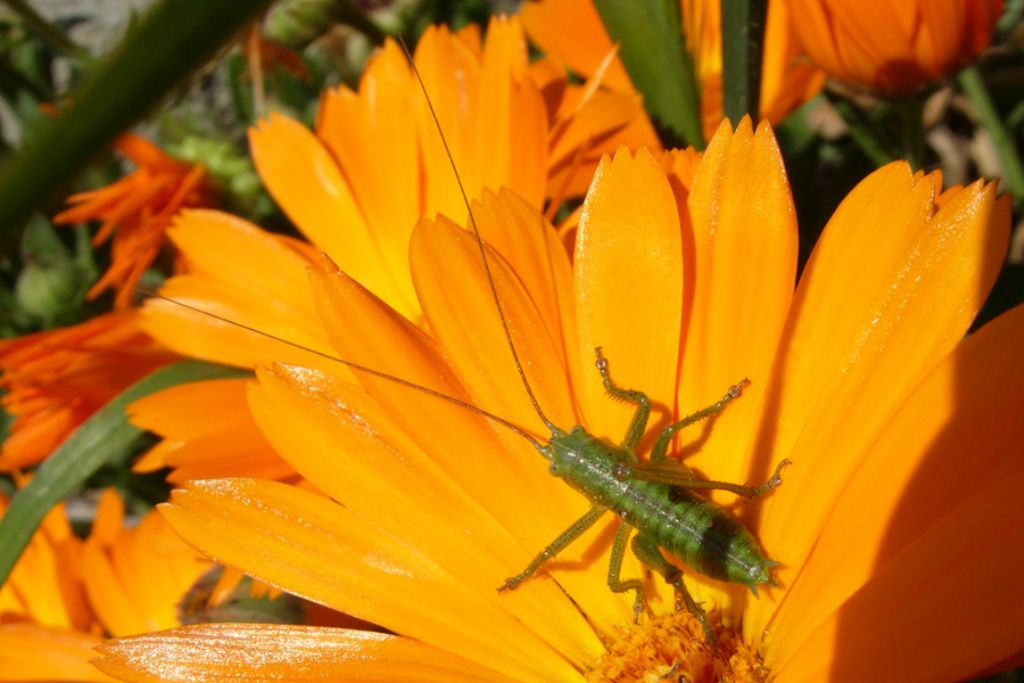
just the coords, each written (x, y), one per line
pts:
(671, 647)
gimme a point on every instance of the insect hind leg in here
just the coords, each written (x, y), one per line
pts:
(676, 474)
(615, 570)
(638, 424)
(646, 550)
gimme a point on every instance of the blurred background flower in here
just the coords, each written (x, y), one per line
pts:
(571, 31)
(894, 47)
(67, 594)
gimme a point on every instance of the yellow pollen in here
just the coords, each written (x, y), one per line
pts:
(671, 647)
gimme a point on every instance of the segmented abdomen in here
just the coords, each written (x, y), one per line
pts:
(696, 530)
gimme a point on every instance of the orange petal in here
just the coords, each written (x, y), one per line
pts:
(339, 439)
(44, 585)
(491, 113)
(958, 433)
(322, 551)
(308, 185)
(539, 259)
(198, 447)
(230, 259)
(39, 653)
(469, 328)
(370, 137)
(263, 652)
(879, 304)
(927, 615)
(105, 590)
(109, 518)
(571, 31)
(136, 583)
(366, 331)
(511, 126)
(629, 282)
(741, 267)
(451, 72)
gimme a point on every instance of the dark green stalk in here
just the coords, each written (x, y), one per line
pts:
(743, 23)
(50, 33)
(1013, 172)
(861, 131)
(652, 47)
(175, 38)
(911, 113)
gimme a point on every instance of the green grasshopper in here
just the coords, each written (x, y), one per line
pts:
(658, 499)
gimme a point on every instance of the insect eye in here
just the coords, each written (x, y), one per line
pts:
(554, 469)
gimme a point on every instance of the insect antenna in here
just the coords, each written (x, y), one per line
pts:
(355, 366)
(479, 243)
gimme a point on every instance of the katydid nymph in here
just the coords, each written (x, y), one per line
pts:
(657, 497)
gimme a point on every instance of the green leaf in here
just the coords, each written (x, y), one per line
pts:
(106, 437)
(172, 40)
(973, 85)
(652, 47)
(743, 23)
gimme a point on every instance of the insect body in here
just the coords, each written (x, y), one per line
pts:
(658, 500)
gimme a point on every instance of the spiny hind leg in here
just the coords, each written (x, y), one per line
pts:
(676, 474)
(638, 424)
(647, 552)
(665, 438)
(558, 545)
(615, 570)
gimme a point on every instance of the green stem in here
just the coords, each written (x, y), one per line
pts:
(652, 47)
(50, 33)
(861, 131)
(173, 39)
(743, 23)
(1013, 171)
(911, 113)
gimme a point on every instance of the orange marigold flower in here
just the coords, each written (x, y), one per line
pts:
(136, 210)
(572, 32)
(894, 47)
(905, 441)
(65, 594)
(355, 186)
(56, 379)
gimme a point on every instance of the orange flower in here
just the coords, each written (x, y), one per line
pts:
(355, 188)
(572, 32)
(56, 379)
(136, 211)
(64, 594)
(894, 47)
(905, 442)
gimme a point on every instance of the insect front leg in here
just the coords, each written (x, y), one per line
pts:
(643, 404)
(558, 545)
(646, 550)
(665, 438)
(615, 569)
